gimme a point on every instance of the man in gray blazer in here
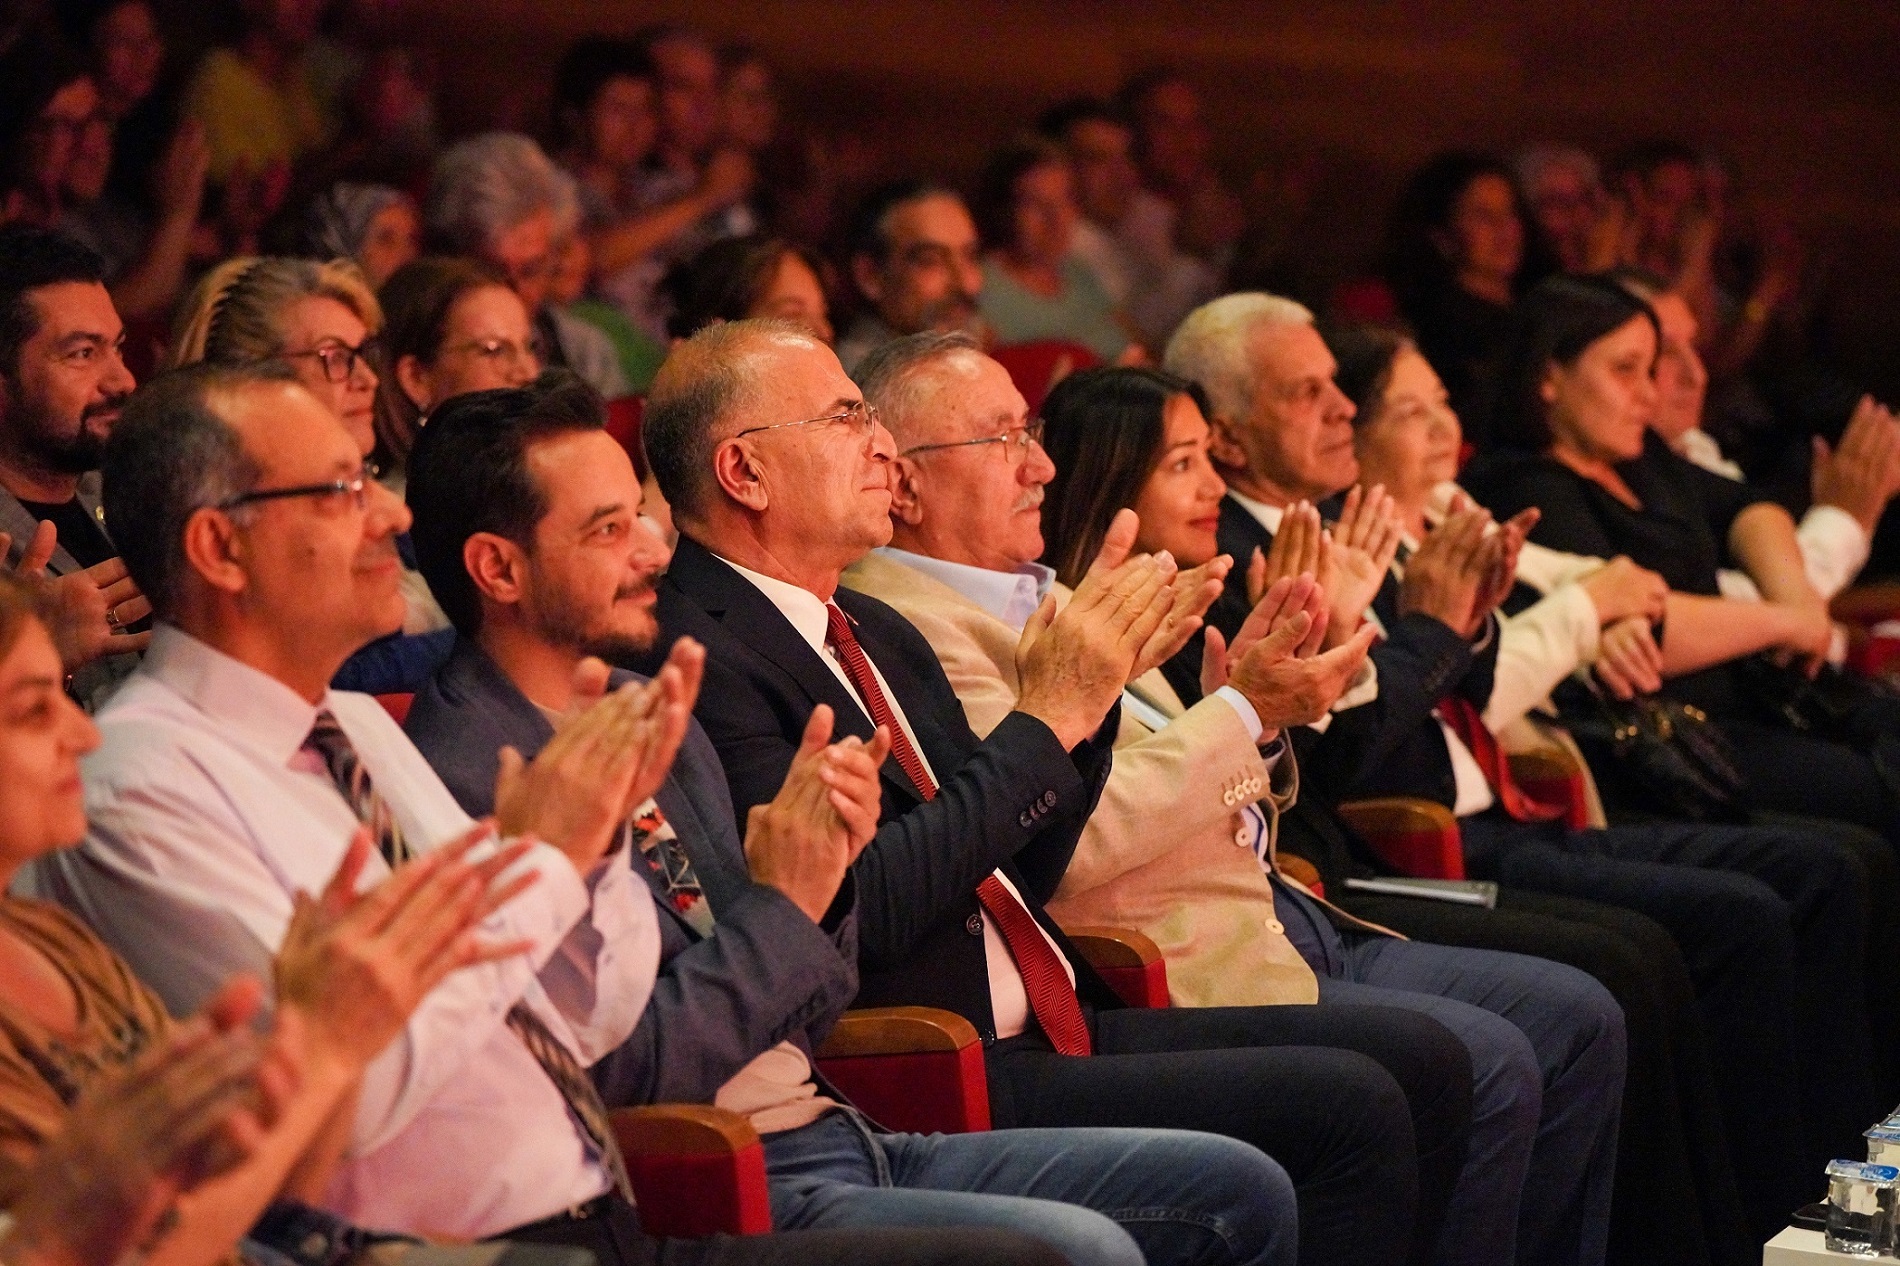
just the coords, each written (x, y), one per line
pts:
(62, 383)
(527, 529)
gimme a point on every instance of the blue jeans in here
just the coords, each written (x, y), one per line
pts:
(1547, 1060)
(1109, 1196)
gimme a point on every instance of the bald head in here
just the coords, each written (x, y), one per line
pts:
(718, 375)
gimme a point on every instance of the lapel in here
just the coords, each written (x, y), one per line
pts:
(17, 523)
(1239, 534)
(752, 619)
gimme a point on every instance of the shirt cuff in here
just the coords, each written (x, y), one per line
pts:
(1834, 548)
(1249, 716)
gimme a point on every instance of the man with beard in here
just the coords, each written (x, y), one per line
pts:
(914, 259)
(62, 383)
(527, 527)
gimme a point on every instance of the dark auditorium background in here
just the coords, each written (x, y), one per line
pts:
(1322, 106)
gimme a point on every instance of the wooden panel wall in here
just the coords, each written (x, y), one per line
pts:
(1800, 95)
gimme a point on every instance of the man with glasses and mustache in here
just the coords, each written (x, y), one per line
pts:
(63, 381)
(914, 259)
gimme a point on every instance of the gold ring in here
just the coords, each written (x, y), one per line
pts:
(112, 617)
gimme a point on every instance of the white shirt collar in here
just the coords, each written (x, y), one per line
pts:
(1267, 516)
(1010, 596)
(805, 609)
(242, 700)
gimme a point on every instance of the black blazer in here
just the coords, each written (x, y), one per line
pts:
(769, 975)
(1014, 801)
(1392, 745)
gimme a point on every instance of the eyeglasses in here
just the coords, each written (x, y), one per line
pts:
(1016, 441)
(500, 349)
(357, 487)
(339, 362)
(861, 414)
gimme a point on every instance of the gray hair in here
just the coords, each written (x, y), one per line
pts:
(888, 375)
(171, 454)
(1209, 347)
(705, 380)
(339, 218)
(487, 184)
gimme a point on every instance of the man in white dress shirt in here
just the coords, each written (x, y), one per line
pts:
(231, 777)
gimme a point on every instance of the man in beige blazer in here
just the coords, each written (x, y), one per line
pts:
(1181, 844)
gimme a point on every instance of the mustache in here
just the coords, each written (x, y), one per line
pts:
(111, 404)
(638, 589)
(1030, 500)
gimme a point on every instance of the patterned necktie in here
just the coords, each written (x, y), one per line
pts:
(651, 837)
(1051, 996)
(329, 742)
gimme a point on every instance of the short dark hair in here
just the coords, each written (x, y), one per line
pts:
(30, 259)
(1365, 355)
(588, 65)
(171, 454)
(1104, 430)
(993, 206)
(1553, 325)
(1056, 122)
(868, 233)
(725, 279)
(468, 473)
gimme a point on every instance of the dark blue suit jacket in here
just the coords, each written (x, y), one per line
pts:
(769, 974)
(1015, 800)
(1390, 746)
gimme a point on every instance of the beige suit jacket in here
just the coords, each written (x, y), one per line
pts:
(1160, 853)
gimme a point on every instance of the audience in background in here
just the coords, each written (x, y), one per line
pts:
(374, 226)
(1032, 289)
(914, 258)
(741, 277)
(1564, 191)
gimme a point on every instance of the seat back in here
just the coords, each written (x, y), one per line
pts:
(397, 706)
(1551, 775)
(915, 1069)
(696, 1170)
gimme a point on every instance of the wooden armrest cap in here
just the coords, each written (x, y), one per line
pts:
(1397, 813)
(1113, 947)
(897, 1031)
(681, 1128)
(1543, 762)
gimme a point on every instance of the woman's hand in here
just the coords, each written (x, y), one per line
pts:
(1620, 590)
(1629, 663)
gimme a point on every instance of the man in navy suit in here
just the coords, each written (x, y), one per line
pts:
(528, 530)
(777, 474)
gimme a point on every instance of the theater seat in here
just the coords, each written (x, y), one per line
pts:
(397, 706)
(915, 1069)
(1036, 367)
(696, 1170)
(1420, 838)
(1127, 960)
(624, 417)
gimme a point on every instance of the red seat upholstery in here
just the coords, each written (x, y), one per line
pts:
(1038, 366)
(396, 706)
(1552, 775)
(623, 423)
(1130, 963)
(915, 1069)
(696, 1170)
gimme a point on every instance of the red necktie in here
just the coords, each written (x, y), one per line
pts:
(1468, 724)
(1051, 996)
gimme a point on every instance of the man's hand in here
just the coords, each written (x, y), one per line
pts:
(1629, 663)
(87, 612)
(1361, 549)
(1073, 665)
(1501, 550)
(186, 1111)
(804, 840)
(356, 966)
(607, 758)
(1194, 591)
(1275, 661)
(1620, 590)
(1864, 472)
(1298, 549)
(1445, 577)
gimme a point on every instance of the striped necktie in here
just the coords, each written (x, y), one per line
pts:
(339, 756)
(1051, 996)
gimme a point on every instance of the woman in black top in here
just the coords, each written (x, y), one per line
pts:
(1571, 437)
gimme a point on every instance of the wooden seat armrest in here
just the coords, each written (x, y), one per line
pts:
(1397, 813)
(897, 1031)
(1113, 947)
(681, 1128)
(1301, 871)
(1543, 763)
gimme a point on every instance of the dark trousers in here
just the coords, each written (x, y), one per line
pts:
(1676, 1198)
(614, 1237)
(1770, 922)
(1788, 772)
(1367, 1108)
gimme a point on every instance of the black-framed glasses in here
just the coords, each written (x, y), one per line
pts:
(339, 361)
(1016, 441)
(861, 414)
(357, 486)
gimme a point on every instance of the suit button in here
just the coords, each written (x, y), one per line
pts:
(1227, 797)
(1022, 820)
(1240, 837)
(1048, 800)
(974, 925)
(1276, 927)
